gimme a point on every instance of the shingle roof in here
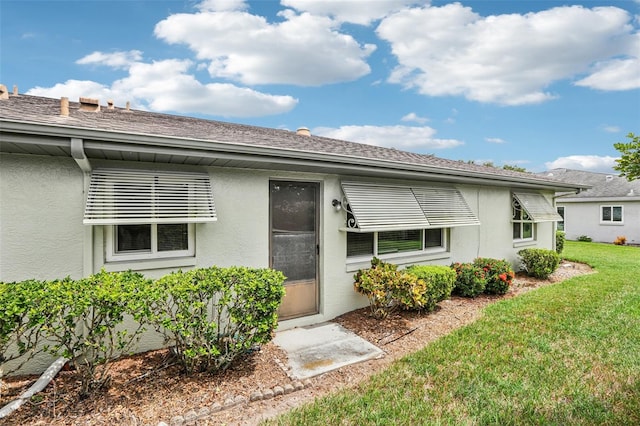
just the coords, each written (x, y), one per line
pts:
(46, 111)
(602, 185)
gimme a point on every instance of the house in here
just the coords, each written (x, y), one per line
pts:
(85, 186)
(610, 208)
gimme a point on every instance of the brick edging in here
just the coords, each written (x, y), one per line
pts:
(257, 395)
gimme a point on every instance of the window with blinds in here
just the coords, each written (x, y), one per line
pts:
(144, 197)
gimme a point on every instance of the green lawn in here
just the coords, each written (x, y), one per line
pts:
(564, 354)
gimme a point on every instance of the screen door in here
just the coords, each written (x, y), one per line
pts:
(294, 244)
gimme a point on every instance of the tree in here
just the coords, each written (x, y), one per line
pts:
(629, 163)
(514, 168)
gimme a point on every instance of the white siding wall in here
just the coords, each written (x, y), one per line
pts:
(583, 218)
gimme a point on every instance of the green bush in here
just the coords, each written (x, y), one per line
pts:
(389, 289)
(20, 321)
(211, 316)
(560, 239)
(82, 321)
(498, 274)
(470, 279)
(539, 263)
(439, 281)
(584, 238)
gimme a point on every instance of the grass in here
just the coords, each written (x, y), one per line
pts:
(563, 354)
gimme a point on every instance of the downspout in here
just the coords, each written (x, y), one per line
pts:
(78, 154)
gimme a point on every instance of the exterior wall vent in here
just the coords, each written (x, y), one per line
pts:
(303, 131)
(609, 178)
(89, 104)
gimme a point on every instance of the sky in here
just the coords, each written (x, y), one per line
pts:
(533, 84)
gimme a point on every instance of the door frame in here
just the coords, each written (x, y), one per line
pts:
(317, 225)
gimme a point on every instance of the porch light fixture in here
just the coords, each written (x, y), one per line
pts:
(337, 205)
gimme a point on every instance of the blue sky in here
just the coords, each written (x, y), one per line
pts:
(538, 84)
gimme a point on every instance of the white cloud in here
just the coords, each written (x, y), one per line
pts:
(593, 163)
(167, 86)
(495, 140)
(612, 129)
(222, 5)
(362, 12)
(507, 59)
(117, 60)
(619, 74)
(303, 49)
(74, 89)
(412, 116)
(416, 139)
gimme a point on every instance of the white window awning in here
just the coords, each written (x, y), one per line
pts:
(537, 207)
(136, 196)
(376, 207)
(444, 207)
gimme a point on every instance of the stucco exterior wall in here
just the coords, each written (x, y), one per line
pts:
(583, 218)
(43, 204)
(41, 208)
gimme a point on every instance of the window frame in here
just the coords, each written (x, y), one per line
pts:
(560, 223)
(112, 255)
(611, 208)
(443, 248)
(521, 221)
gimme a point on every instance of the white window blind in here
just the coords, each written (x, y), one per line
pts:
(537, 207)
(377, 208)
(136, 196)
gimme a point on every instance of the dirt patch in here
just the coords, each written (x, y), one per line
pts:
(147, 388)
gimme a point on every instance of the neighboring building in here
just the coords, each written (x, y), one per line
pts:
(85, 186)
(607, 210)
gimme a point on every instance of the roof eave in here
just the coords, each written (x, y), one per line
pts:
(125, 142)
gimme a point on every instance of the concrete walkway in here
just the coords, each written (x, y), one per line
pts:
(323, 347)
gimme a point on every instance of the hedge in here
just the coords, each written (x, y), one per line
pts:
(209, 315)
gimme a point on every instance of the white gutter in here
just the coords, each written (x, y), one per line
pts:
(139, 142)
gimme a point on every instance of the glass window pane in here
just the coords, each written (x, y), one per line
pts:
(172, 237)
(133, 238)
(617, 214)
(295, 255)
(527, 230)
(359, 244)
(606, 213)
(399, 241)
(516, 231)
(561, 213)
(433, 238)
(293, 206)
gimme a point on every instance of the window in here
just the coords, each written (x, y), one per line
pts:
(522, 222)
(396, 242)
(148, 214)
(611, 214)
(529, 208)
(561, 223)
(149, 241)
